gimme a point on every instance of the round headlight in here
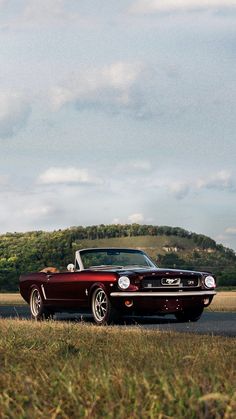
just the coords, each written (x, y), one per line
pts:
(210, 281)
(124, 282)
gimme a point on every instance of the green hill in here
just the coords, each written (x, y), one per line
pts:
(168, 246)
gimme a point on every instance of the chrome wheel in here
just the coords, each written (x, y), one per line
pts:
(103, 310)
(35, 302)
(100, 304)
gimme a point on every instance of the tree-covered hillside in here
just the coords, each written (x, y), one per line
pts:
(168, 246)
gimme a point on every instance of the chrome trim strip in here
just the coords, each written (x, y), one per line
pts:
(43, 291)
(171, 286)
(79, 260)
(163, 294)
(63, 299)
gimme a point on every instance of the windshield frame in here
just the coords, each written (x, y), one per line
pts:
(80, 264)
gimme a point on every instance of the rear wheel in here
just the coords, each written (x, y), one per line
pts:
(189, 315)
(37, 308)
(102, 309)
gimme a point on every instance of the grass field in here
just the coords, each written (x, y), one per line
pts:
(223, 301)
(150, 244)
(11, 298)
(65, 370)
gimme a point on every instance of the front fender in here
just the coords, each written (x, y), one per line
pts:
(106, 288)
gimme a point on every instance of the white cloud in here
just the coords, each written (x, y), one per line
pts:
(134, 168)
(22, 209)
(4, 180)
(38, 211)
(45, 12)
(2, 3)
(136, 218)
(156, 6)
(179, 189)
(231, 230)
(14, 113)
(140, 165)
(221, 180)
(116, 221)
(120, 75)
(57, 175)
(112, 87)
(170, 185)
(220, 237)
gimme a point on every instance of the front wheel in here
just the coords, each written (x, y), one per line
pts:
(102, 309)
(37, 308)
(189, 315)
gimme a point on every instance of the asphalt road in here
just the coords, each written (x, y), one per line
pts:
(217, 323)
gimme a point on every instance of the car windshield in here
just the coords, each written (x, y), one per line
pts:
(116, 258)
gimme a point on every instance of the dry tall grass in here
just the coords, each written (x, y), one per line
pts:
(63, 370)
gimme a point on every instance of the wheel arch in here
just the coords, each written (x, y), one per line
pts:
(93, 288)
(39, 288)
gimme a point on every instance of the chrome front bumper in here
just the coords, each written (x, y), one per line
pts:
(175, 294)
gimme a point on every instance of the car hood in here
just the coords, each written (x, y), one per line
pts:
(161, 272)
(151, 272)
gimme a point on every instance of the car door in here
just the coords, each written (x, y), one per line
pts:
(64, 287)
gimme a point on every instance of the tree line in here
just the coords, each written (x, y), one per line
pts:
(32, 251)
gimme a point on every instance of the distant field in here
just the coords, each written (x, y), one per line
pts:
(14, 298)
(150, 244)
(64, 370)
(223, 301)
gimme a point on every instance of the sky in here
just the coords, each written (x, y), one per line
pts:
(118, 112)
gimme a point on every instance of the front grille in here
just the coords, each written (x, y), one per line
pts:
(186, 282)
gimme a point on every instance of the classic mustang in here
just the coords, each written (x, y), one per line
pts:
(112, 282)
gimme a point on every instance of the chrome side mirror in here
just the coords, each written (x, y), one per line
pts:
(71, 267)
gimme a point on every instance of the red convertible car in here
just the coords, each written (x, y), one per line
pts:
(113, 282)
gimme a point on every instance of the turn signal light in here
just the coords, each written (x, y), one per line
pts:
(206, 301)
(129, 303)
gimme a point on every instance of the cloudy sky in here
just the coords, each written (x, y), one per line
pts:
(118, 112)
